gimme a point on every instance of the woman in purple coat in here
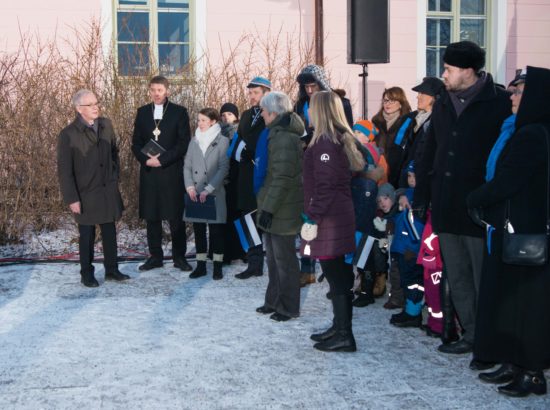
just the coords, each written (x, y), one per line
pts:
(329, 227)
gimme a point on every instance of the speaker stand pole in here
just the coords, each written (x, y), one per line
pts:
(364, 75)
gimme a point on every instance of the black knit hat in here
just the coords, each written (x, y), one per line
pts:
(465, 54)
(230, 107)
(430, 86)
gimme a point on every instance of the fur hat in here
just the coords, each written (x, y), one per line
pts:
(313, 74)
(386, 190)
(230, 107)
(465, 54)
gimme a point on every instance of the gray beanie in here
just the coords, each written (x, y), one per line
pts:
(386, 190)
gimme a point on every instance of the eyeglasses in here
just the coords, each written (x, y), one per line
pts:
(96, 104)
(517, 92)
(386, 101)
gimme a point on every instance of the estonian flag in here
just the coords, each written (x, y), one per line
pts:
(362, 251)
(246, 229)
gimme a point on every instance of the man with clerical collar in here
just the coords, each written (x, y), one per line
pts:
(251, 126)
(465, 124)
(161, 186)
(88, 171)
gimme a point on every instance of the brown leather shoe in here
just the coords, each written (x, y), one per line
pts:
(379, 288)
(306, 279)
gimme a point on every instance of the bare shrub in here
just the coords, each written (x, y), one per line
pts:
(36, 85)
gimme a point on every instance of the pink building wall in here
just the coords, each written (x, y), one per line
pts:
(526, 35)
(528, 40)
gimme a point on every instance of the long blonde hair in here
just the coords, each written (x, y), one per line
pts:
(329, 121)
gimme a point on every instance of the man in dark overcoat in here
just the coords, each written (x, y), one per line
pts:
(161, 187)
(465, 124)
(250, 127)
(88, 171)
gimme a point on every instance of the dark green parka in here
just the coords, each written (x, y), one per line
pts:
(282, 193)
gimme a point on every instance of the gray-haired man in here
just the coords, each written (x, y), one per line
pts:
(88, 169)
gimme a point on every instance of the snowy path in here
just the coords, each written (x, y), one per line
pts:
(163, 341)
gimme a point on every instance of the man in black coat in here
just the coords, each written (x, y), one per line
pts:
(88, 170)
(250, 127)
(465, 124)
(161, 187)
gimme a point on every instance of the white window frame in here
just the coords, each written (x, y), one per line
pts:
(153, 10)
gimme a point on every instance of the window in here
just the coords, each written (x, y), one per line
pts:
(152, 34)
(449, 21)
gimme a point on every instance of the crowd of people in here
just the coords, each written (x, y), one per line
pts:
(421, 202)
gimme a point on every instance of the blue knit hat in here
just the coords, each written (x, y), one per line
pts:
(410, 167)
(259, 82)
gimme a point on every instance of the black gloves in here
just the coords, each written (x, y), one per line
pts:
(266, 218)
(477, 215)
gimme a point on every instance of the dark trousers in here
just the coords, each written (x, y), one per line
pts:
(86, 247)
(339, 275)
(283, 289)
(411, 277)
(463, 259)
(179, 239)
(216, 237)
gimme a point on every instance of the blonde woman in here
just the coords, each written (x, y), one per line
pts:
(329, 228)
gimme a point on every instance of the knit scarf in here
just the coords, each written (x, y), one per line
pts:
(506, 131)
(204, 139)
(421, 118)
(390, 118)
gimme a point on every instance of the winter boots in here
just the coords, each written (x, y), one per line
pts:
(365, 292)
(307, 271)
(379, 288)
(339, 338)
(255, 267)
(87, 277)
(200, 270)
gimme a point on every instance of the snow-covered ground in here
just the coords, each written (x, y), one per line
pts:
(164, 341)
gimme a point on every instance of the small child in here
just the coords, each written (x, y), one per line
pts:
(365, 132)
(404, 249)
(378, 260)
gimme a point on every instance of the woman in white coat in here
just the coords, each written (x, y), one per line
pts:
(205, 168)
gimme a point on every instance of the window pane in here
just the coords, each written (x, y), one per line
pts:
(434, 61)
(173, 58)
(133, 59)
(438, 32)
(472, 7)
(473, 30)
(133, 26)
(439, 5)
(173, 27)
(133, 2)
(174, 4)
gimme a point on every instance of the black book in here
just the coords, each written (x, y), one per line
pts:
(201, 210)
(153, 148)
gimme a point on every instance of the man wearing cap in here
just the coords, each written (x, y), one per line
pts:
(250, 127)
(465, 123)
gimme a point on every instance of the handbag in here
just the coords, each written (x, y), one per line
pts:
(527, 249)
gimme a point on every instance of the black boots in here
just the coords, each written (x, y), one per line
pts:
(151, 263)
(200, 269)
(87, 277)
(403, 319)
(525, 382)
(116, 275)
(342, 339)
(255, 267)
(365, 296)
(218, 274)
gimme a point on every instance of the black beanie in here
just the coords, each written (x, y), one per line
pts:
(465, 54)
(230, 107)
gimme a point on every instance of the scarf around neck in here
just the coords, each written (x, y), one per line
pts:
(421, 118)
(204, 139)
(390, 118)
(506, 131)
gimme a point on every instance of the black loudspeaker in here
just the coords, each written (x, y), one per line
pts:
(368, 31)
